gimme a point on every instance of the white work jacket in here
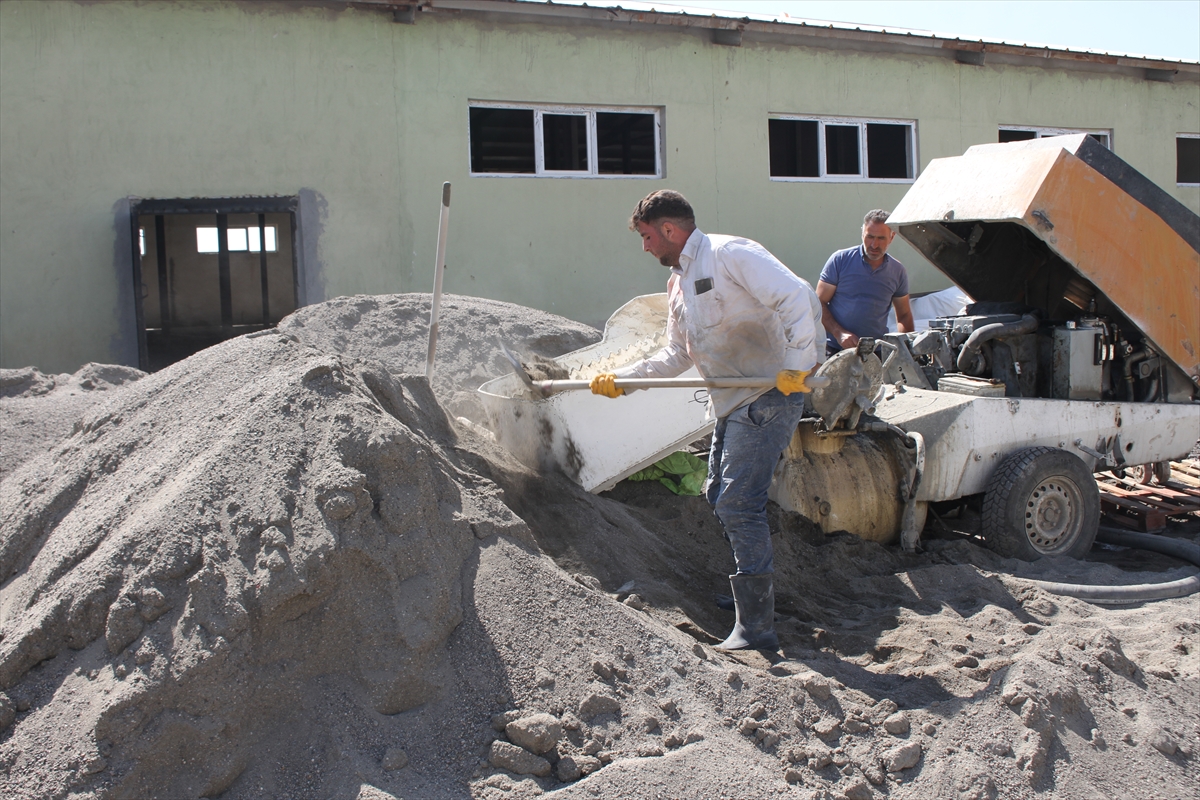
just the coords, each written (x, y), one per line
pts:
(735, 311)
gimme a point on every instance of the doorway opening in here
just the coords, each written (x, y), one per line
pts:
(207, 270)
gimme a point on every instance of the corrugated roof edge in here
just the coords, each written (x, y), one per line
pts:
(850, 26)
(680, 16)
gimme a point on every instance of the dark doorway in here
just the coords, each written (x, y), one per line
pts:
(206, 270)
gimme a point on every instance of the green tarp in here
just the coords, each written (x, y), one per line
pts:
(680, 472)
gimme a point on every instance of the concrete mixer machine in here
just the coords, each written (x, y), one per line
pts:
(1080, 354)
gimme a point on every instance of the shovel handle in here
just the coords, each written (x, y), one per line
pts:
(547, 388)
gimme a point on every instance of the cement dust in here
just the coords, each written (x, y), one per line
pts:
(280, 569)
(545, 369)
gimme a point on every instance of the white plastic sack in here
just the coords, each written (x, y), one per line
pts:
(946, 303)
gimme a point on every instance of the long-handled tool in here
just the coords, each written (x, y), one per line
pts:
(548, 388)
(439, 269)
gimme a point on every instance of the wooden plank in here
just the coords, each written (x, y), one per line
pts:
(1127, 512)
(1165, 491)
(1121, 501)
(1184, 477)
(1133, 523)
(1142, 507)
(1187, 490)
(1148, 497)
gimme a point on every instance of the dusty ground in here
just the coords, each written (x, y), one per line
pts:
(281, 569)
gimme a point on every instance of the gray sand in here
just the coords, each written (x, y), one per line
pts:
(38, 409)
(280, 568)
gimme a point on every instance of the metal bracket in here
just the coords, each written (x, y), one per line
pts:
(910, 533)
(1104, 458)
(1112, 458)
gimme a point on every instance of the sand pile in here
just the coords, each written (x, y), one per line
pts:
(259, 517)
(280, 569)
(394, 330)
(38, 409)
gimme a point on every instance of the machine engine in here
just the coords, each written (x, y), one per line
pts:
(1086, 272)
(1002, 350)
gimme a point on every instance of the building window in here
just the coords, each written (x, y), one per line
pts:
(1019, 133)
(565, 141)
(241, 240)
(838, 149)
(1187, 159)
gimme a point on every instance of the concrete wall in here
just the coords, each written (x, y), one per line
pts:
(366, 118)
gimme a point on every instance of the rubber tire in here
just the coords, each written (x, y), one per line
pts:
(1016, 486)
(1162, 472)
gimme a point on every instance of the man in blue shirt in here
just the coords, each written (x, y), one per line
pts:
(859, 284)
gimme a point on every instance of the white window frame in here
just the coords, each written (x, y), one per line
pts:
(863, 162)
(1183, 136)
(589, 112)
(1042, 131)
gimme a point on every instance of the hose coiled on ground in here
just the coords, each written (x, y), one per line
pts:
(1136, 593)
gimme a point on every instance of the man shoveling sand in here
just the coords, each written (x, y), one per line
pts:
(734, 311)
(277, 570)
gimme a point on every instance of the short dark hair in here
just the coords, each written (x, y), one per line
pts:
(665, 204)
(875, 215)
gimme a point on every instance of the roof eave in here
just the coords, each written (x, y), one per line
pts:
(798, 32)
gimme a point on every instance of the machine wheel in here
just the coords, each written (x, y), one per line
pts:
(1142, 473)
(1041, 502)
(1162, 472)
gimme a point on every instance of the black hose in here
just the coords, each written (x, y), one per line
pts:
(1151, 390)
(967, 362)
(1141, 592)
(1127, 369)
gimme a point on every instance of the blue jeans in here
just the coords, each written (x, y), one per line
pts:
(746, 446)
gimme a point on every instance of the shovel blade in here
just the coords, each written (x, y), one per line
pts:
(515, 363)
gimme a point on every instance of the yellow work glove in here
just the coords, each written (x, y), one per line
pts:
(606, 384)
(787, 381)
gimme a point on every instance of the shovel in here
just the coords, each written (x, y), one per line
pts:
(548, 388)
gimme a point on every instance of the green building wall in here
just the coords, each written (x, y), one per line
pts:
(365, 118)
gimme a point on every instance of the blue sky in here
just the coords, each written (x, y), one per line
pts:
(1165, 28)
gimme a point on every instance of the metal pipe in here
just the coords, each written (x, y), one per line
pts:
(262, 268)
(164, 283)
(967, 356)
(892, 349)
(910, 529)
(1151, 390)
(548, 388)
(439, 268)
(918, 442)
(139, 311)
(224, 283)
(1127, 369)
